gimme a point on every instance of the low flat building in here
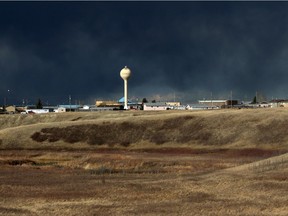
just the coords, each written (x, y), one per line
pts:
(155, 106)
(107, 104)
(72, 108)
(200, 107)
(218, 103)
(37, 111)
(10, 109)
(279, 103)
(60, 110)
(173, 104)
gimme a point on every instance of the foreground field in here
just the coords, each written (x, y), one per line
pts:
(135, 163)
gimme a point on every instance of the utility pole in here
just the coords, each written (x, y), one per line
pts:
(211, 100)
(70, 102)
(256, 96)
(4, 103)
(231, 98)
(6, 99)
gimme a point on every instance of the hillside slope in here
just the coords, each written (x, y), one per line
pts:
(266, 128)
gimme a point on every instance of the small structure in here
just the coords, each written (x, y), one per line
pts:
(107, 104)
(70, 107)
(279, 103)
(199, 107)
(155, 106)
(7, 110)
(122, 101)
(135, 105)
(173, 104)
(51, 108)
(60, 110)
(219, 103)
(181, 107)
(265, 104)
(37, 111)
(10, 109)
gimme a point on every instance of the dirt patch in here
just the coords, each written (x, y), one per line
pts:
(14, 211)
(76, 119)
(255, 152)
(20, 162)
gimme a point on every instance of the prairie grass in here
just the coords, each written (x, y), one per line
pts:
(145, 163)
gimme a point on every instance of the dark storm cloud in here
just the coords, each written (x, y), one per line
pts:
(55, 49)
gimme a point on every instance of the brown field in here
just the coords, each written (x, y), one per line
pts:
(221, 162)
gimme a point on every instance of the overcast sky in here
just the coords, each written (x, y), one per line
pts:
(190, 50)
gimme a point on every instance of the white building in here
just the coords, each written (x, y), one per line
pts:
(37, 111)
(199, 107)
(60, 110)
(155, 106)
(279, 103)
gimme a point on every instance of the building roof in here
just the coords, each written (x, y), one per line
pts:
(214, 101)
(279, 101)
(122, 100)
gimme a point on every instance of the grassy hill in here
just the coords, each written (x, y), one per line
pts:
(219, 162)
(263, 128)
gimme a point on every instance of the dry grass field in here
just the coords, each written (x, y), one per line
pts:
(219, 162)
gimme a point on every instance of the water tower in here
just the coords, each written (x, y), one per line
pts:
(125, 74)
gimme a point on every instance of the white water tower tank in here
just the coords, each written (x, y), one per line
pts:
(125, 73)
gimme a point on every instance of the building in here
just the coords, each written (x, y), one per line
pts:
(70, 107)
(218, 103)
(10, 109)
(51, 108)
(279, 103)
(37, 111)
(107, 104)
(173, 104)
(155, 106)
(60, 110)
(200, 107)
